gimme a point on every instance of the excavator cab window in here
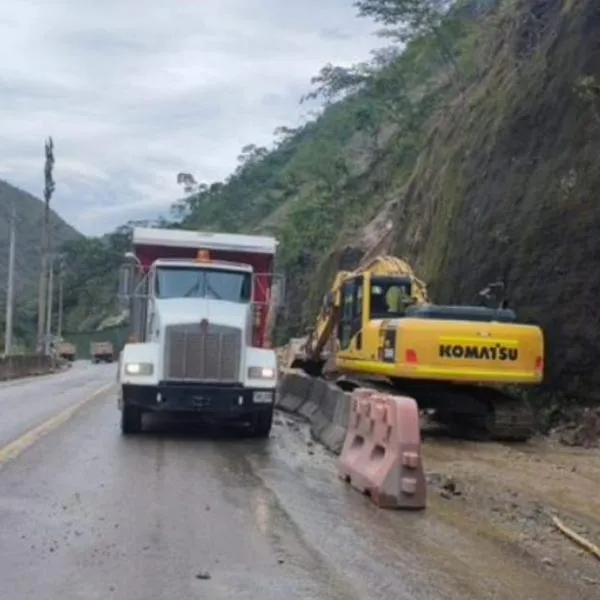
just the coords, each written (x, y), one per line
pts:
(390, 296)
(350, 322)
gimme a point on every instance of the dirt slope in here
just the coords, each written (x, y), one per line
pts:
(507, 187)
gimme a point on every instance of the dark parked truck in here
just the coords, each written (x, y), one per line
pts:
(201, 307)
(101, 352)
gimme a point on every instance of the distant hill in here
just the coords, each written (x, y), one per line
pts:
(30, 215)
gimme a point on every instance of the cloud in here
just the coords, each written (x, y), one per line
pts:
(134, 92)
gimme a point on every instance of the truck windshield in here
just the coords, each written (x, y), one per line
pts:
(215, 284)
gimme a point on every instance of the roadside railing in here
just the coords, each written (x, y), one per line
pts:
(27, 365)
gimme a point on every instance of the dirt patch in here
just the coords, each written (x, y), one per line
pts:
(488, 523)
(582, 428)
(512, 493)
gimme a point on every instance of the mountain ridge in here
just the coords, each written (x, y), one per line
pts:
(30, 215)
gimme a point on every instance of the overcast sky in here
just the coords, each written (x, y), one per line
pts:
(134, 91)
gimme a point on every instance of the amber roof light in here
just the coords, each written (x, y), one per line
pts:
(202, 256)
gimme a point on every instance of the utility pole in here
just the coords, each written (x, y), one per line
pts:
(10, 284)
(49, 305)
(61, 277)
(43, 283)
(42, 289)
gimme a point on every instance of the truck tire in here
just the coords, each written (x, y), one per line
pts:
(131, 420)
(262, 423)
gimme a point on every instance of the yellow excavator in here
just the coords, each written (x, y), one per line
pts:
(377, 328)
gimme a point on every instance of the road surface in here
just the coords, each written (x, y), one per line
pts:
(177, 513)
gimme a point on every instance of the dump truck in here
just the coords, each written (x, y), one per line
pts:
(378, 328)
(201, 309)
(66, 350)
(102, 352)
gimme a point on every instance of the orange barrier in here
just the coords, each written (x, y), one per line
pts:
(381, 456)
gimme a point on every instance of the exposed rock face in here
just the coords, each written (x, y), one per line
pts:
(508, 187)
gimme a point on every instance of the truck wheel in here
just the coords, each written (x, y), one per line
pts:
(131, 420)
(261, 425)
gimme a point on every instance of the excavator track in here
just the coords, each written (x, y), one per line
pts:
(512, 420)
(476, 412)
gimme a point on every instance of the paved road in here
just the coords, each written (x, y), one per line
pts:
(87, 514)
(26, 403)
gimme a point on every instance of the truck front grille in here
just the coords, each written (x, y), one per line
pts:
(192, 355)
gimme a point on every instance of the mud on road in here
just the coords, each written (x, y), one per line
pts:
(86, 513)
(487, 530)
(509, 494)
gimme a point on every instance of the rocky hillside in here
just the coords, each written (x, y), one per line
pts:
(506, 185)
(476, 144)
(30, 215)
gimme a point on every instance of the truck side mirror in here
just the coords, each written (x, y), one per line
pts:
(278, 293)
(277, 289)
(127, 281)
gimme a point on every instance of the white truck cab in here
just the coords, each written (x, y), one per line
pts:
(195, 346)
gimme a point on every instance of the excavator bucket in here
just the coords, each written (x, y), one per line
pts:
(294, 356)
(311, 367)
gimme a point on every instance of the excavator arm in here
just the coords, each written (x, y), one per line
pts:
(327, 318)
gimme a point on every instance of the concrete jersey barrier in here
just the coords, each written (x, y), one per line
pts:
(322, 404)
(328, 409)
(27, 365)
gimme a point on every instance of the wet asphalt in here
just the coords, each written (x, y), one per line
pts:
(182, 512)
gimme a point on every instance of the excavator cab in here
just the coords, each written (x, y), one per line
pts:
(390, 297)
(347, 312)
(365, 300)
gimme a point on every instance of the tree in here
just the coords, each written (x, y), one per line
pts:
(334, 81)
(251, 154)
(405, 20)
(408, 20)
(188, 181)
(283, 134)
(380, 90)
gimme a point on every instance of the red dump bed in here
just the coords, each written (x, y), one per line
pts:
(257, 251)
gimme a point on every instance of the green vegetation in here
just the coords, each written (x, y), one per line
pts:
(479, 141)
(91, 278)
(30, 215)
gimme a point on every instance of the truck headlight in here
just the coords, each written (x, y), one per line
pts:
(139, 368)
(261, 373)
